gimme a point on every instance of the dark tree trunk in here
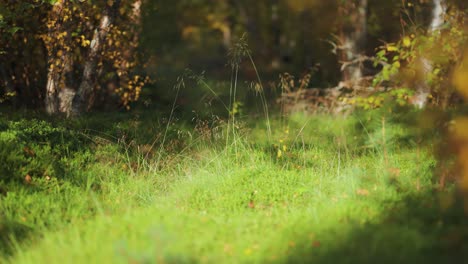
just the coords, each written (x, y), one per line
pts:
(6, 81)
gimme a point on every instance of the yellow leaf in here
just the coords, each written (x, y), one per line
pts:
(280, 153)
(362, 192)
(406, 41)
(392, 48)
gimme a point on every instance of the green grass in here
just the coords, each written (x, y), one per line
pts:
(342, 191)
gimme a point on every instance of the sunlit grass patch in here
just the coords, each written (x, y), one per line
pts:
(234, 202)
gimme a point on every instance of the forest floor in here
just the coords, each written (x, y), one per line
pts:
(129, 188)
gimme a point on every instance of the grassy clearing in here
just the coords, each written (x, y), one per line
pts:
(326, 190)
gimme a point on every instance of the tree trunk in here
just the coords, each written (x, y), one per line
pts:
(53, 74)
(51, 99)
(423, 90)
(437, 15)
(84, 98)
(67, 91)
(275, 36)
(11, 93)
(353, 36)
(6, 82)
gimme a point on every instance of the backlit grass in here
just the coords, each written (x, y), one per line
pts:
(325, 190)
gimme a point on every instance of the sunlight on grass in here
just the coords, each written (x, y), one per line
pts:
(303, 205)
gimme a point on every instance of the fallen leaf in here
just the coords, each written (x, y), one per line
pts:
(29, 152)
(394, 172)
(28, 179)
(362, 192)
(228, 249)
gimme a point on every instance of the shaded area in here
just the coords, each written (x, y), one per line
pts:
(427, 227)
(8, 230)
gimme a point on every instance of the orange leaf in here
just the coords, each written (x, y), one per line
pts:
(28, 179)
(362, 192)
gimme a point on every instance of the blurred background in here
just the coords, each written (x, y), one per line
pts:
(164, 38)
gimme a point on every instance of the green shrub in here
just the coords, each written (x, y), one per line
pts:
(37, 149)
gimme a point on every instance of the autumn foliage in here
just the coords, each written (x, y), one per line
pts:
(49, 43)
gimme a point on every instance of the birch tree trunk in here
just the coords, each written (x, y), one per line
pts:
(53, 72)
(84, 98)
(423, 90)
(51, 99)
(354, 32)
(67, 86)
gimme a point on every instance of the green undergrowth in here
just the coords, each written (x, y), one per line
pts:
(132, 188)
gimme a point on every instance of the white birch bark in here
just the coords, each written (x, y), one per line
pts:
(352, 40)
(423, 90)
(84, 98)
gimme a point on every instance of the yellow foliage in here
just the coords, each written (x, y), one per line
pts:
(460, 129)
(406, 41)
(63, 39)
(392, 48)
(460, 77)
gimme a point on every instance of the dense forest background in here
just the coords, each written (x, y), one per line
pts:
(46, 44)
